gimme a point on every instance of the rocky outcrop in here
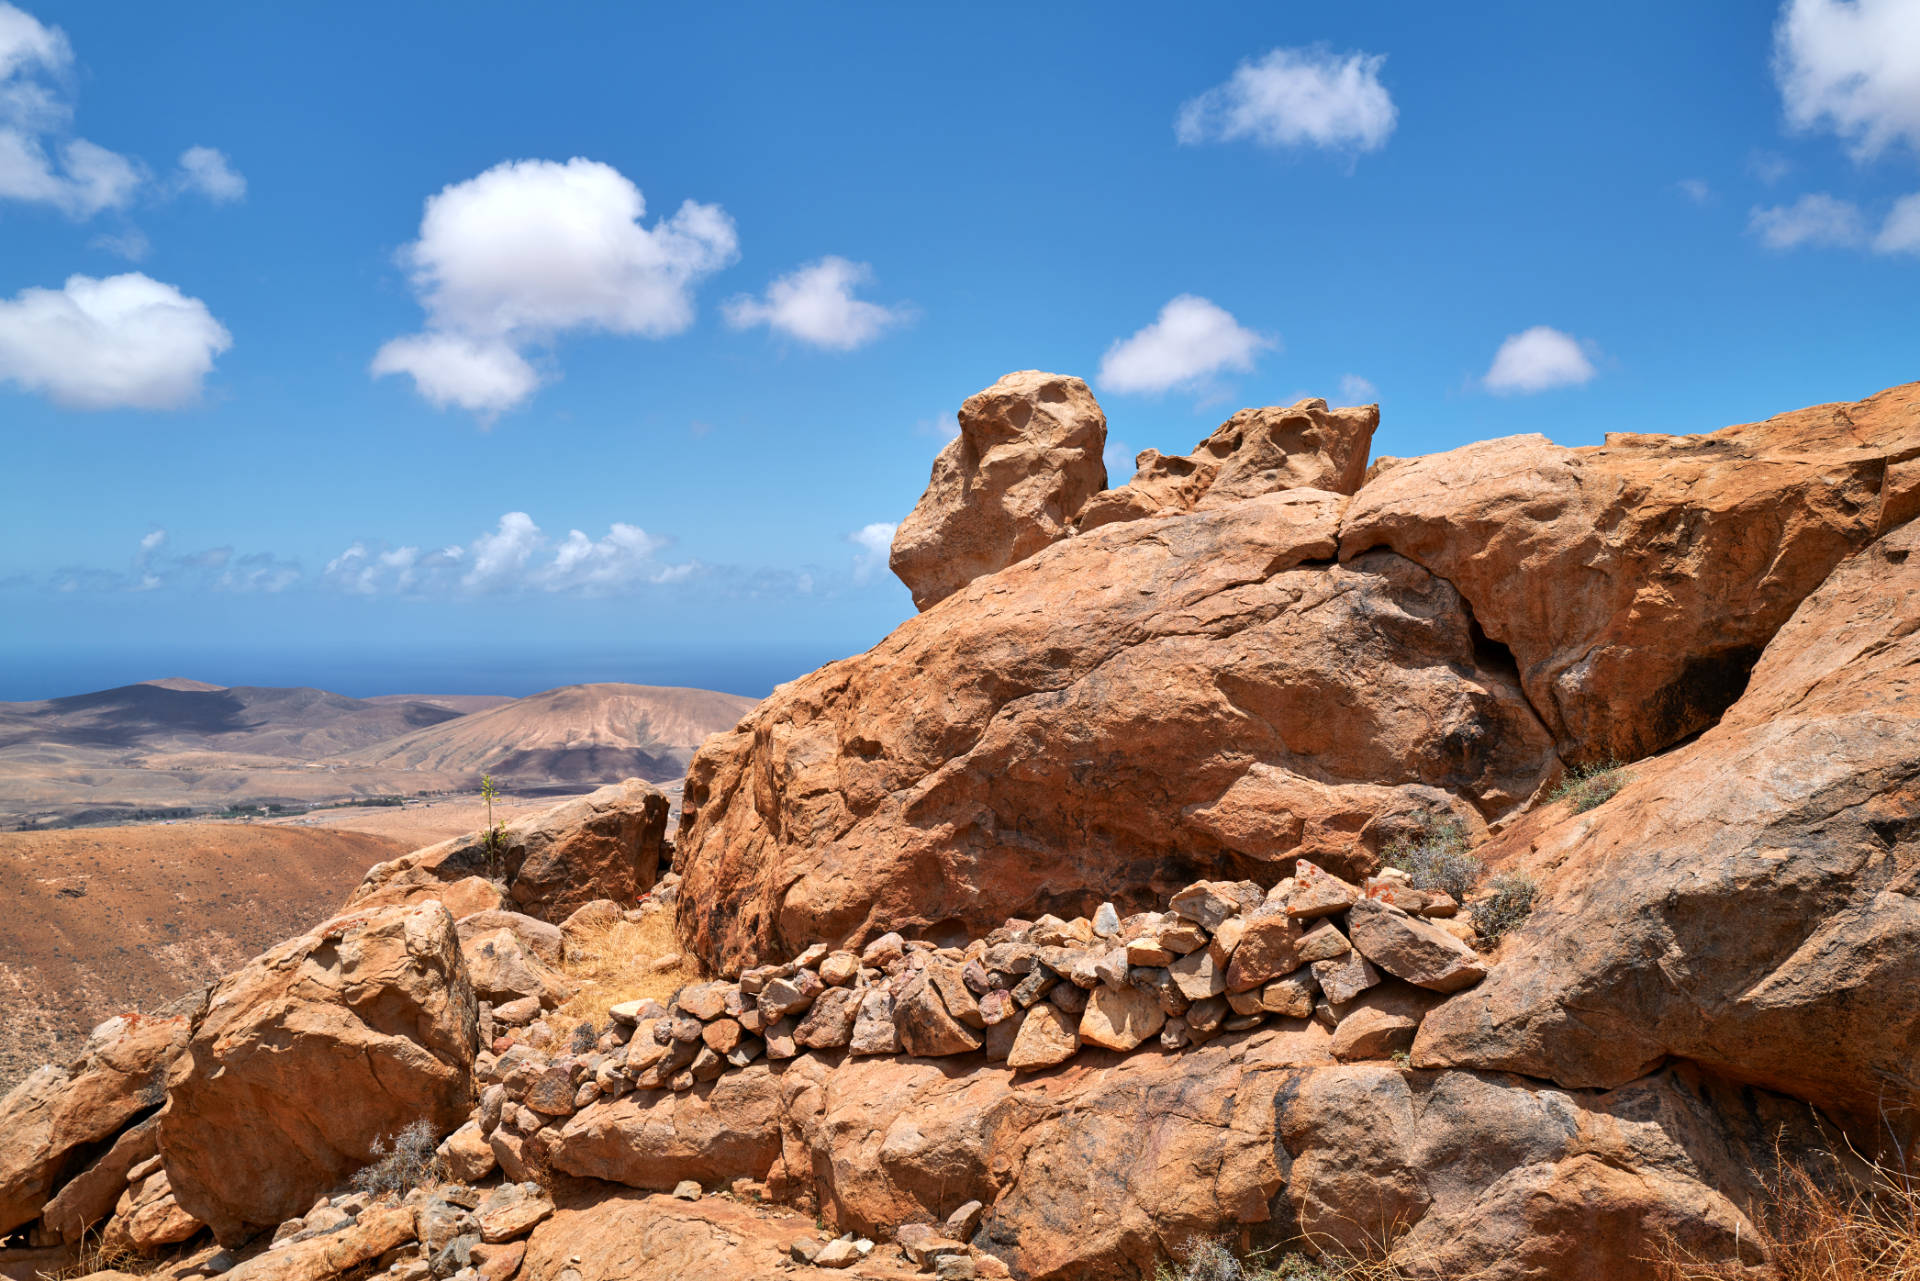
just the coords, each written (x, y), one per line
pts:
(1636, 582)
(58, 1120)
(306, 1058)
(1751, 901)
(605, 845)
(1201, 695)
(1257, 451)
(1027, 458)
(1099, 1170)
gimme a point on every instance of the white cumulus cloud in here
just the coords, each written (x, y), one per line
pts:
(209, 173)
(1816, 219)
(39, 161)
(875, 542)
(1538, 359)
(1295, 98)
(1852, 66)
(124, 342)
(815, 304)
(532, 249)
(1191, 340)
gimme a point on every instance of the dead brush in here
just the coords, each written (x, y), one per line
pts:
(1822, 1226)
(620, 962)
(96, 1255)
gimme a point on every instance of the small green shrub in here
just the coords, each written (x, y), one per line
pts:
(409, 1162)
(1507, 902)
(1438, 859)
(1589, 786)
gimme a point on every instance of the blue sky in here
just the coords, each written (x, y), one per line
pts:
(237, 343)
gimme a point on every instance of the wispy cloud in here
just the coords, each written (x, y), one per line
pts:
(1309, 97)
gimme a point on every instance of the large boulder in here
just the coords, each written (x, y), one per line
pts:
(1027, 458)
(312, 1055)
(59, 1119)
(1301, 446)
(1116, 716)
(602, 846)
(1636, 582)
(1751, 901)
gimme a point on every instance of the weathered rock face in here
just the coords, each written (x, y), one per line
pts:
(53, 1123)
(1115, 716)
(1257, 451)
(1750, 901)
(1027, 459)
(1636, 582)
(606, 845)
(373, 1009)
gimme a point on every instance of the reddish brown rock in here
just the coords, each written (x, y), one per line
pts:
(1750, 901)
(1269, 947)
(372, 1007)
(634, 1237)
(1026, 460)
(987, 759)
(1636, 582)
(1048, 1037)
(602, 846)
(56, 1120)
(1257, 451)
(1120, 1018)
(927, 1029)
(1410, 948)
(1380, 1022)
(91, 1195)
(655, 1139)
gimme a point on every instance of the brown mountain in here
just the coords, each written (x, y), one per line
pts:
(578, 733)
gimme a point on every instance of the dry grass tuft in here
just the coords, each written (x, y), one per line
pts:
(621, 962)
(1824, 1227)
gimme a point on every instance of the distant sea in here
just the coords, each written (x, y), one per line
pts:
(25, 676)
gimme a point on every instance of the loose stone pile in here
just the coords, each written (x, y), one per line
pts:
(1368, 961)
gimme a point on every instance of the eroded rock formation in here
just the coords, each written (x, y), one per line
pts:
(1751, 901)
(1026, 459)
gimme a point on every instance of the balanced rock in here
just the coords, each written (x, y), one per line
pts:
(373, 1007)
(1026, 460)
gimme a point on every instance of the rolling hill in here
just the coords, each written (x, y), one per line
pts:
(176, 746)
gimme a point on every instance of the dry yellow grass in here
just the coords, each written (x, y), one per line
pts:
(1823, 1227)
(623, 962)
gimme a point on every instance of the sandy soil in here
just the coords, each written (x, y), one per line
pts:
(103, 920)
